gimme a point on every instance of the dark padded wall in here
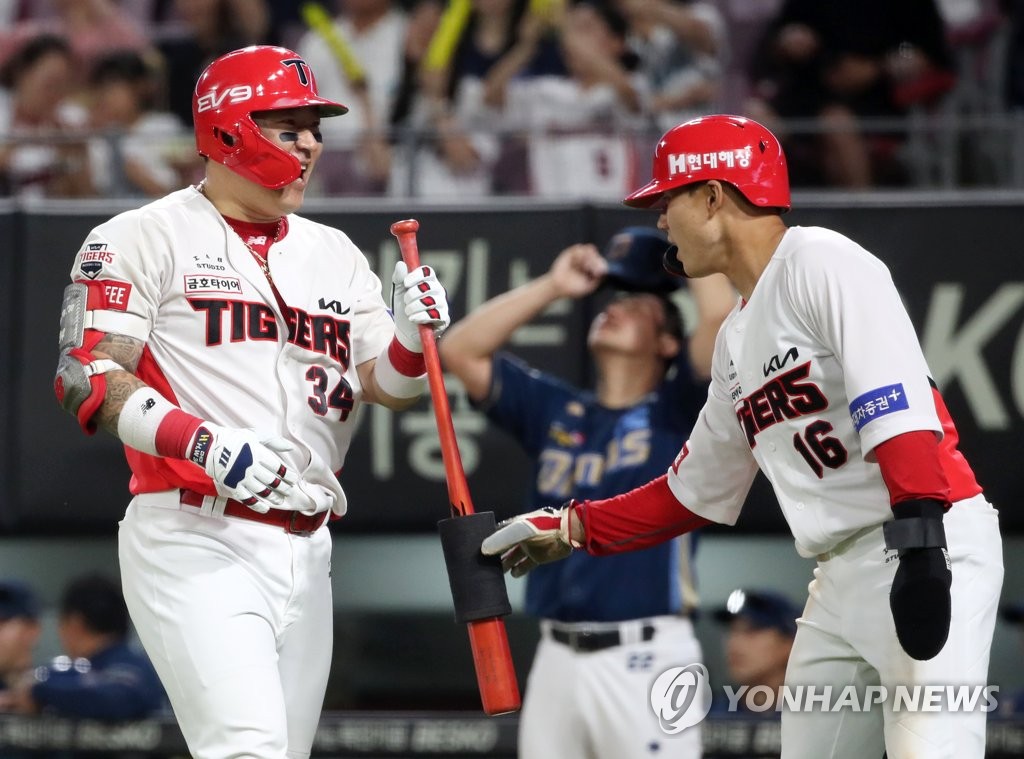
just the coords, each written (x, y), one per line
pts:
(956, 266)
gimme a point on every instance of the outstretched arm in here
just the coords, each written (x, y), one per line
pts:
(639, 519)
(469, 345)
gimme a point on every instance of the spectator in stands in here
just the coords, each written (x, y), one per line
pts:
(141, 150)
(839, 63)
(92, 28)
(375, 33)
(681, 48)
(457, 151)
(100, 676)
(19, 635)
(37, 119)
(285, 26)
(579, 126)
(202, 31)
(761, 628)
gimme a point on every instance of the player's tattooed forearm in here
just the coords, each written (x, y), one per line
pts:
(124, 350)
(120, 385)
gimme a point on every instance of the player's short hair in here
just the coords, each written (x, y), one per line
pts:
(99, 601)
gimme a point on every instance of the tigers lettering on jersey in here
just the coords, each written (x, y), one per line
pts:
(244, 320)
(780, 398)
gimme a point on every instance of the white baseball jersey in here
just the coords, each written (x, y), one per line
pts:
(236, 615)
(817, 368)
(174, 275)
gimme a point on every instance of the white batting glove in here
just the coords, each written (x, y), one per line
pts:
(417, 297)
(243, 464)
(527, 540)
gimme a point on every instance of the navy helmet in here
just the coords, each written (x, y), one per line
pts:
(763, 609)
(635, 261)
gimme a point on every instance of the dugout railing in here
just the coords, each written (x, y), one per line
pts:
(938, 150)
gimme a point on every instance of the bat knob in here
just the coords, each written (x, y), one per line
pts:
(407, 226)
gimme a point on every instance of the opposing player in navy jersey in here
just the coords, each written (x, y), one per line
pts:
(609, 624)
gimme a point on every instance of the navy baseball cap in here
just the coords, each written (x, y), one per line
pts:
(763, 609)
(17, 600)
(634, 257)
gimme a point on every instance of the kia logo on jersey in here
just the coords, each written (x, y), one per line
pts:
(776, 363)
(333, 305)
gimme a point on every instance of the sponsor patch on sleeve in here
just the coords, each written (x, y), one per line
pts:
(879, 402)
(108, 295)
(92, 257)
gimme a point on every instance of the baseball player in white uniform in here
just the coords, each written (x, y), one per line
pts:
(818, 379)
(228, 343)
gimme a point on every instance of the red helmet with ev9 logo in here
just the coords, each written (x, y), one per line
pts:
(730, 149)
(240, 83)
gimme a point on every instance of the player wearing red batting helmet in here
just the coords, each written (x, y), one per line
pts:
(817, 380)
(731, 149)
(244, 82)
(228, 343)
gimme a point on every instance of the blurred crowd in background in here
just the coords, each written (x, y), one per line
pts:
(456, 99)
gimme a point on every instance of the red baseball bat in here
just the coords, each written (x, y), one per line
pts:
(492, 658)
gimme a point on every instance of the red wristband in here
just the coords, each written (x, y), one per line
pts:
(406, 362)
(175, 432)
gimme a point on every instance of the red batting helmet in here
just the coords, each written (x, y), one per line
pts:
(231, 89)
(730, 149)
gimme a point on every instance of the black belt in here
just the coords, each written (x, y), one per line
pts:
(592, 640)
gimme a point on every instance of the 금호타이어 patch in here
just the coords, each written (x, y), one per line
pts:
(878, 402)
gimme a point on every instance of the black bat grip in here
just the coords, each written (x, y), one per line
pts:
(477, 581)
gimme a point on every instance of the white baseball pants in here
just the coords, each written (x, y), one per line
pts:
(846, 636)
(237, 618)
(596, 705)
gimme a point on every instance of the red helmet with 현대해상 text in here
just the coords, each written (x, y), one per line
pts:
(731, 149)
(243, 82)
